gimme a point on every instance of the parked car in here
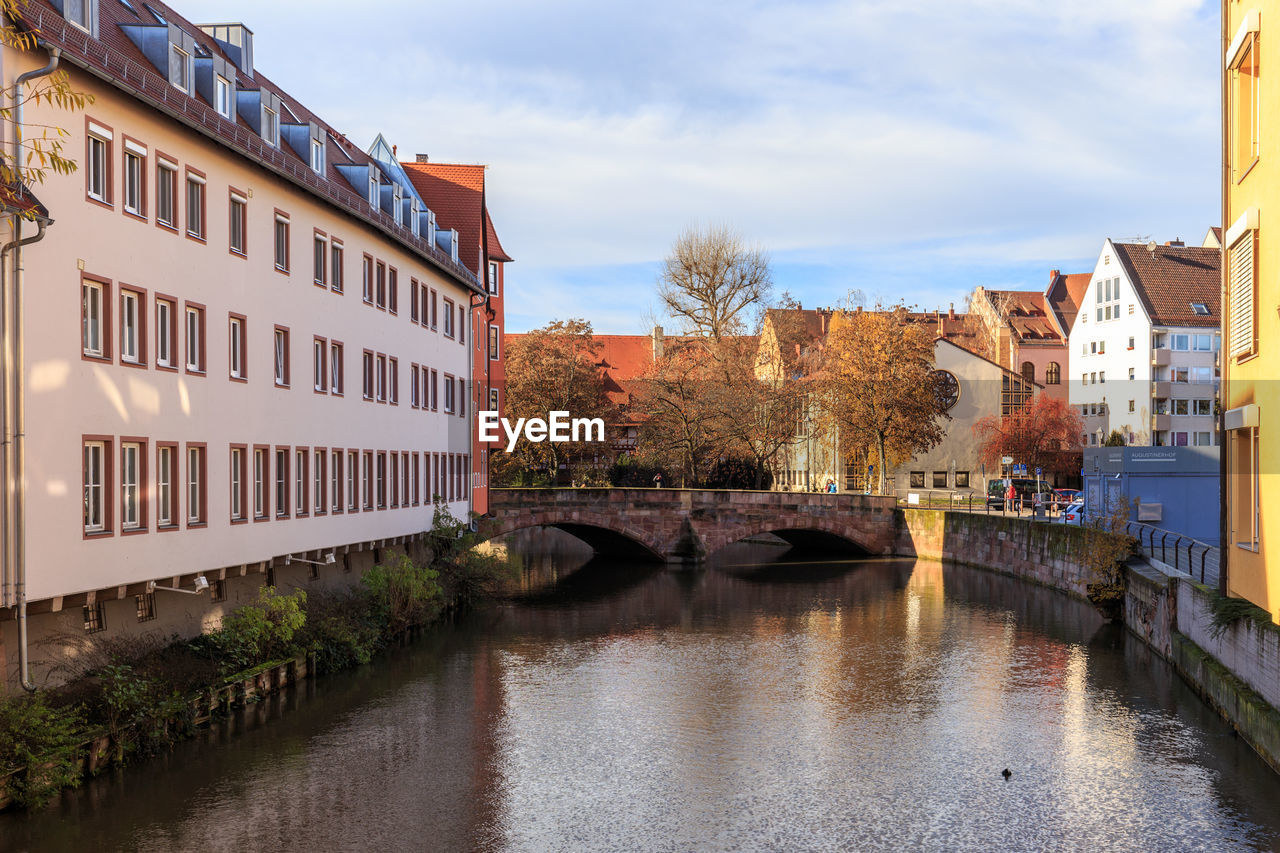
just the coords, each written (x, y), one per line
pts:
(1073, 514)
(1026, 488)
(1066, 496)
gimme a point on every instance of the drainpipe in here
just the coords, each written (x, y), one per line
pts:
(15, 408)
(1224, 517)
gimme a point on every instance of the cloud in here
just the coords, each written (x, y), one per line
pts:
(1003, 135)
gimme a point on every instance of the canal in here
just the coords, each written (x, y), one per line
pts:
(765, 703)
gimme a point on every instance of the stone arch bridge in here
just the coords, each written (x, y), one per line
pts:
(687, 525)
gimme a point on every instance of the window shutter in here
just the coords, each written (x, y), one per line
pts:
(1240, 323)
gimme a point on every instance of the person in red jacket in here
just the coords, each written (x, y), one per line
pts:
(1011, 497)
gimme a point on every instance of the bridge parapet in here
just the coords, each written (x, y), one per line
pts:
(679, 525)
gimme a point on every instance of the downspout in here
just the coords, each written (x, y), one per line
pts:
(1224, 516)
(15, 345)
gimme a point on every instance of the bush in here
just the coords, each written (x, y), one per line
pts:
(630, 472)
(402, 593)
(43, 739)
(142, 714)
(340, 631)
(262, 631)
(738, 474)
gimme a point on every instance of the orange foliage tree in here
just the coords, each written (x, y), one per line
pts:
(1044, 433)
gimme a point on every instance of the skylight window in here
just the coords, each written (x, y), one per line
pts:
(1200, 308)
(155, 14)
(129, 6)
(270, 127)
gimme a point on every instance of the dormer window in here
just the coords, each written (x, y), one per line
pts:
(270, 127)
(397, 207)
(1200, 308)
(180, 68)
(222, 96)
(415, 213)
(80, 13)
(375, 188)
(317, 156)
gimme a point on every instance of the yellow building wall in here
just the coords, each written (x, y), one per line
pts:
(1256, 576)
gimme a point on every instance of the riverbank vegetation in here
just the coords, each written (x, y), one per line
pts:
(142, 693)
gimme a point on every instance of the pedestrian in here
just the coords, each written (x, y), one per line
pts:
(831, 487)
(657, 480)
(1010, 496)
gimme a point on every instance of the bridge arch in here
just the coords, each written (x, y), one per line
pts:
(820, 532)
(603, 533)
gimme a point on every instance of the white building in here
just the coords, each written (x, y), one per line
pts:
(243, 341)
(1145, 343)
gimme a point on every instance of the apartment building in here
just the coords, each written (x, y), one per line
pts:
(1251, 327)
(242, 345)
(455, 192)
(1144, 346)
(1021, 331)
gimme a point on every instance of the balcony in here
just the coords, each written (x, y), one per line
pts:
(1160, 390)
(1161, 357)
(1160, 422)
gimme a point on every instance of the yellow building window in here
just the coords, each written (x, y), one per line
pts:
(1244, 487)
(1241, 296)
(1242, 62)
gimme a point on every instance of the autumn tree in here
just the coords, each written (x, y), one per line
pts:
(711, 280)
(878, 386)
(40, 146)
(1044, 433)
(555, 368)
(679, 402)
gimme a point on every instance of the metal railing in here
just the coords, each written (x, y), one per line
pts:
(1179, 551)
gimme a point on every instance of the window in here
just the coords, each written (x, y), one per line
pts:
(493, 399)
(939, 479)
(1181, 343)
(1201, 439)
(1130, 342)
(1202, 375)
(393, 290)
(238, 225)
(1244, 102)
(1131, 374)
(435, 305)
(1053, 374)
(353, 473)
(282, 242)
(366, 374)
(1102, 377)
(380, 379)
(166, 479)
(424, 316)
(318, 481)
(321, 258)
(300, 481)
(382, 479)
(238, 484)
(236, 345)
(394, 479)
(195, 338)
(98, 164)
(1093, 378)
(134, 164)
(1241, 293)
(448, 393)
(195, 484)
(1200, 308)
(1180, 407)
(270, 127)
(260, 476)
(462, 325)
(368, 480)
(133, 513)
(335, 266)
(80, 13)
(319, 363)
(1028, 371)
(493, 342)
(413, 300)
(180, 68)
(282, 482)
(380, 287)
(448, 318)
(95, 618)
(1202, 407)
(1202, 343)
(917, 479)
(165, 333)
(281, 350)
(1179, 374)
(414, 390)
(335, 479)
(393, 381)
(493, 277)
(218, 592)
(132, 327)
(435, 388)
(366, 279)
(417, 480)
(462, 397)
(335, 367)
(317, 156)
(96, 475)
(195, 205)
(222, 96)
(1131, 406)
(94, 303)
(167, 194)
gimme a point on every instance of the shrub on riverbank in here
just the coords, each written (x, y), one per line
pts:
(43, 739)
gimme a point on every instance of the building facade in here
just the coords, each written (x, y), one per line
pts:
(225, 364)
(1144, 346)
(1022, 332)
(1250, 361)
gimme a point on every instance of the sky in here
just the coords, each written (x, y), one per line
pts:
(910, 151)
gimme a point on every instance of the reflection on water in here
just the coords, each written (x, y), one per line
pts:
(761, 704)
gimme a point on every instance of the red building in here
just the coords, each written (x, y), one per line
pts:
(456, 194)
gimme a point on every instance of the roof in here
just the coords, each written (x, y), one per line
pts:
(1007, 371)
(18, 198)
(1027, 313)
(1064, 295)
(455, 191)
(1169, 278)
(624, 359)
(116, 59)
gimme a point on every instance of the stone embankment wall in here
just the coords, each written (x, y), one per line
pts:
(1237, 670)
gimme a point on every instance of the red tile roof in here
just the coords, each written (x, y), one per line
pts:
(1064, 295)
(113, 57)
(1026, 312)
(1169, 278)
(455, 191)
(16, 198)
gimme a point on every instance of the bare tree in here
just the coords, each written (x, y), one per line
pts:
(711, 279)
